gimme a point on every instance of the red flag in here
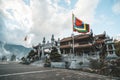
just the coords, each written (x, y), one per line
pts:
(78, 22)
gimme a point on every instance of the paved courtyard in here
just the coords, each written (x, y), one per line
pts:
(15, 71)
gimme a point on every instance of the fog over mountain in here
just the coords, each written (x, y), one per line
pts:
(9, 49)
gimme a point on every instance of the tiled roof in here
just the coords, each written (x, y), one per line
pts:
(100, 35)
(76, 37)
(76, 46)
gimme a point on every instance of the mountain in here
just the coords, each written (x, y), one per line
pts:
(9, 49)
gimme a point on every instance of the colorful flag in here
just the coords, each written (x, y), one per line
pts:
(79, 25)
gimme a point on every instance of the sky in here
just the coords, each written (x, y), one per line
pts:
(42, 18)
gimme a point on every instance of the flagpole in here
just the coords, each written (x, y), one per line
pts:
(73, 41)
(72, 32)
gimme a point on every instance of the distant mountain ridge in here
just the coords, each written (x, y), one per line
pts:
(10, 49)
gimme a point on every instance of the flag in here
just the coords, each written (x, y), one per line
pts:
(87, 29)
(25, 39)
(79, 25)
(78, 22)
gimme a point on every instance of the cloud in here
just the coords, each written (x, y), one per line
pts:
(42, 18)
(85, 9)
(17, 20)
(2, 27)
(116, 7)
(68, 2)
(51, 19)
(48, 18)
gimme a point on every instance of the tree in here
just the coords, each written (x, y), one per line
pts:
(4, 58)
(55, 56)
(13, 57)
(33, 55)
(117, 47)
(23, 59)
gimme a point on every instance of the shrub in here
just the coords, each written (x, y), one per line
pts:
(95, 64)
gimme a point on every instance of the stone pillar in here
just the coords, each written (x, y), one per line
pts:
(107, 49)
(44, 40)
(52, 40)
(42, 56)
(113, 49)
(39, 50)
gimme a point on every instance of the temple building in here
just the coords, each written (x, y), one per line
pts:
(76, 50)
(87, 44)
(82, 43)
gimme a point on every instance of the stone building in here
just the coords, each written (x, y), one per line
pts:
(80, 49)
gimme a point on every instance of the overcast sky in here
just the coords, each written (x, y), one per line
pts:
(39, 18)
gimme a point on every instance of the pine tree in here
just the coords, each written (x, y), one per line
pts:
(4, 58)
(55, 56)
(13, 57)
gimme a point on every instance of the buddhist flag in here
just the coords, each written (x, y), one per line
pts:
(79, 25)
